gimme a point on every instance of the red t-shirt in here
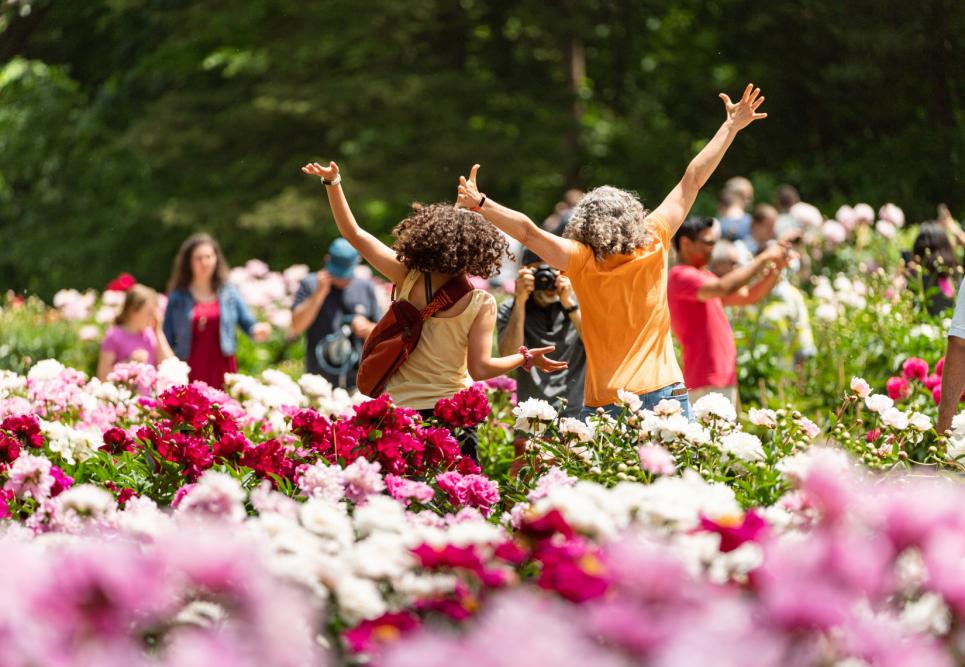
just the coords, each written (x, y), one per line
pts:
(705, 336)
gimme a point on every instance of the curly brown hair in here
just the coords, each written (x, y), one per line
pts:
(438, 238)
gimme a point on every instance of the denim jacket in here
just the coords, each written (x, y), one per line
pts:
(177, 320)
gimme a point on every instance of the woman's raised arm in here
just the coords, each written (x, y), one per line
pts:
(376, 253)
(677, 205)
(553, 249)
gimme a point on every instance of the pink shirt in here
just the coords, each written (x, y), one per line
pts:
(123, 344)
(701, 327)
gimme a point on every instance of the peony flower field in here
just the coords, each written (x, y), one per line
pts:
(148, 521)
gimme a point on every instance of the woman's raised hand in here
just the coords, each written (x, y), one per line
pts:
(315, 169)
(545, 364)
(744, 112)
(467, 194)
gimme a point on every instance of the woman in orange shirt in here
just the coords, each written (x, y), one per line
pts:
(616, 254)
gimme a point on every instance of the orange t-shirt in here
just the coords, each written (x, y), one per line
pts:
(626, 319)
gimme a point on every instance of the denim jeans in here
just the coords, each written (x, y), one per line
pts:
(650, 399)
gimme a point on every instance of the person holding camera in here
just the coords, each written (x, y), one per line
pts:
(336, 311)
(697, 298)
(544, 312)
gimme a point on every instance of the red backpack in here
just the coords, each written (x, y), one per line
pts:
(398, 332)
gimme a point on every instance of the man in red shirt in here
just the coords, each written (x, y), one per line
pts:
(697, 298)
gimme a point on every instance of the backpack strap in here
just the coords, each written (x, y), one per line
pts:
(447, 296)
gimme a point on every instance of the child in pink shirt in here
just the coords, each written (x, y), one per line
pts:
(136, 334)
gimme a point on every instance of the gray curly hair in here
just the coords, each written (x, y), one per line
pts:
(610, 221)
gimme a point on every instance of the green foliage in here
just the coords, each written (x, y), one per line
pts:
(31, 332)
(126, 125)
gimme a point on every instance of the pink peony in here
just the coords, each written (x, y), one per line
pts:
(914, 368)
(936, 394)
(846, 216)
(939, 366)
(834, 232)
(892, 214)
(407, 490)
(932, 381)
(362, 479)
(29, 477)
(897, 388)
(886, 229)
(470, 490)
(321, 480)
(656, 460)
(860, 387)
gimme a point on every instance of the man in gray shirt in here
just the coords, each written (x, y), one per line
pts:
(544, 312)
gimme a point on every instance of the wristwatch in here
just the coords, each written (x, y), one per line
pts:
(334, 181)
(567, 311)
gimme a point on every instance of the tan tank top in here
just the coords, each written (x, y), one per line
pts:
(437, 368)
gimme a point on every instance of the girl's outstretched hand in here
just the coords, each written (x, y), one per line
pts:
(315, 169)
(744, 112)
(545, 364)
(467, 194)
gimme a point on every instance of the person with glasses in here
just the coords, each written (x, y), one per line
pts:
(697, 297)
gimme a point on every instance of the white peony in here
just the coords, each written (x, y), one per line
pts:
(878, 403)
(315, 385)
(533, 414)
(894, 418)
(45, 370)
(920, 421)
(86, 500)
(172, 372)
(927, 615)
(714, 406)
(827, 312)
(581, 429)
(328, 520)
(667, 407)
(629, 400)
(742, 445)
(864, 213)
(359, 599)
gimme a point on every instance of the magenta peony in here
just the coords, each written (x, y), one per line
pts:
(897, 388)
(915, 368)
(464, 410)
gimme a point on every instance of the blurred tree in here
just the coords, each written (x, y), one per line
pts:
(127, 124)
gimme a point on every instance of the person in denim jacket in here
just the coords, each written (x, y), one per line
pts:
(204, 311)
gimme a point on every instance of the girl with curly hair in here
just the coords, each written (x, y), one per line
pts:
(615, 253)
(437, 242)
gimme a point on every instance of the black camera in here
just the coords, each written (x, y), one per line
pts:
(544, 278)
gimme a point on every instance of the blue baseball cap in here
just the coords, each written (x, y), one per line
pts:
(342, 259)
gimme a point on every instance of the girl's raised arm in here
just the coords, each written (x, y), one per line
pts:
(376, 253)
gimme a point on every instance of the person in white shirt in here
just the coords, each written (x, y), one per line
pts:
(953, 375)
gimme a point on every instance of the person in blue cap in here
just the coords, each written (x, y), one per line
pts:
(336, 311)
